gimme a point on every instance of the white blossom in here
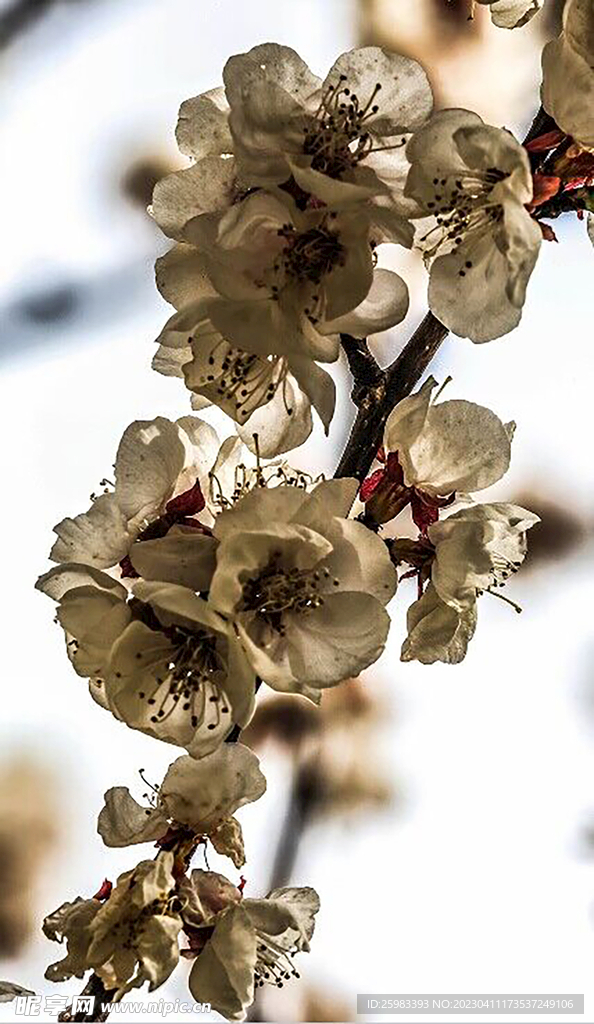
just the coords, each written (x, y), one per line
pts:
(161, 483)
(304, 586)
(568, 73)
(252, 944)
(473, 551)
(199, 796)
(164, 662)
(474, 182)
(512, 13)
(478, 548)
(127, 940)
(284, 120)
(288, 279)
(268, 394)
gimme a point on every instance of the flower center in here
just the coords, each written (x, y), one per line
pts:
(243, 379)
(191, 680)
(502, 569)
(336, 138)
(273, 963)
(277, 591)
(464, 211)
(307, 256)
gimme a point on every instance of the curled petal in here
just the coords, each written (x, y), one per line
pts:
(437, 631)
(123, 821)
(385, 305)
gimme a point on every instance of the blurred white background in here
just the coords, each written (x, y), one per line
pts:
(479, 878)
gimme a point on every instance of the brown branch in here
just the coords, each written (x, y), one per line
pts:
(378, 400)
(102, 999)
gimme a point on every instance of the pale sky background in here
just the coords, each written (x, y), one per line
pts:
(478, 882)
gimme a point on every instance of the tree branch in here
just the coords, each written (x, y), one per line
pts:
(102, 998)
(391, 386)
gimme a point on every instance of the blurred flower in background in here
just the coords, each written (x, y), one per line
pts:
(29, 830)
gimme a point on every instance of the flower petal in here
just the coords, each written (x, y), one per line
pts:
(150, 458)
(62, 578)
(463, 447)
(203, 125)
(98, 537)
(124, 822)
(182, 277)
(202, 794)
(512, 13)
(385, 305)
(185, 557)
(223, 974)
(206, 187)
(437, 631)
(405, 100)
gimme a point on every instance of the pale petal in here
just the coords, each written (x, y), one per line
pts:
(512, 13)
(178, 606)
(185, 556)
(157, 950)
(150, 457)
(203, 447)
(98, 537)
(206, 187)
(437, 631)
(123, 821)
(317, 384)
(202, 794)
(271, 63)
(281, 425)
(328, 498)
(350, 281)
(359, 560)
(228, 841)
(94, 620)
(182, 277)
(332, 191)
(203, 125)
(337, 640)
(484, 301)
(385, 305)
(71, 921)
(406, 422)
(223, 974)
(287, 915)
(463, 447)
(62, 578)
(578, 27)
(405, 100)
(568, 90)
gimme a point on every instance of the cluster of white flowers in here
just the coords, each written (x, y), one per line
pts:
(206, 569)
(434, 457)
